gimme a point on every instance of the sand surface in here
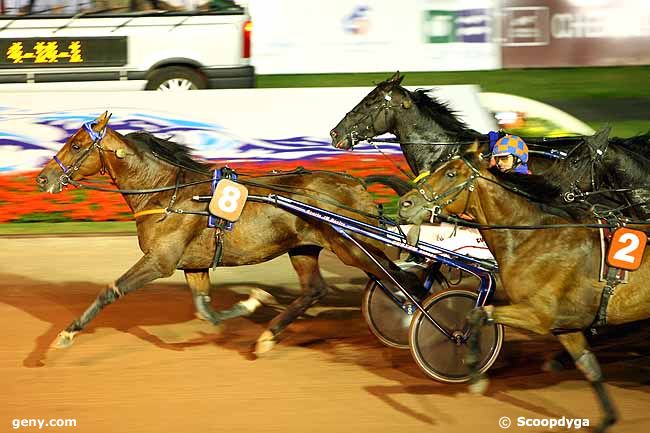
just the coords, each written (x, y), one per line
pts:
(146, 364)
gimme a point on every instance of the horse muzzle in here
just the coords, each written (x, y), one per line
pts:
(343, 144)
(413, 213)
(45, 184)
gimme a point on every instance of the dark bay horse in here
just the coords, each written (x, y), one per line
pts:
(430, 134)
(174, 240)
(428, 131)
(551, 276)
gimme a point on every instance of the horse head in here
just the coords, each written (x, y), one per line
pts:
(374, 115)
(598, 143)
(584, 169)
(449, 189)
(81, 156)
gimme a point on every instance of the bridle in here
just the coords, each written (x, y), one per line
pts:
(383, 106)
(96, 137)
(440, 201)
(437, 202)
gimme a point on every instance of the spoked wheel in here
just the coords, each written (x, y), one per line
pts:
(387, 320)
(440, 357)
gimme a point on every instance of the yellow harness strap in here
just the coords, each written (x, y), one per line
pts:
(421, 176)
(149, 212)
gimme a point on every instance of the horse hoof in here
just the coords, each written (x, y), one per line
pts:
(480, 386)
(63, 340)
(265, 343)
(201, 316)
(264, 297)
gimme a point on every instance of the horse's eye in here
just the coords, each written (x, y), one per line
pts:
(451, 173)
(76, 147)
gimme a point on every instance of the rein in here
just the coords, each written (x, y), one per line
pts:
(97, 137)
(468, 184)
(426, 143)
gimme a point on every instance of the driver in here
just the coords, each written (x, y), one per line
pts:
(510, 155)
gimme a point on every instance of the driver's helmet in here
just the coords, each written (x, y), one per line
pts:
(515, 146)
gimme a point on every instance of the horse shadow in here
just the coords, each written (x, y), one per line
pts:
(154, 305)
(342, 337)
(336, 330)
(623, 352)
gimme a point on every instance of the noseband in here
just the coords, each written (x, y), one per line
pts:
(68, 172)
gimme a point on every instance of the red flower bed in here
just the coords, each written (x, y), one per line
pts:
(20, 200)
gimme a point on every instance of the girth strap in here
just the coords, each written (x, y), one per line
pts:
(608, 291)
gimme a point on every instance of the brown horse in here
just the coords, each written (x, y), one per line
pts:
(178, 239)
(551, 276)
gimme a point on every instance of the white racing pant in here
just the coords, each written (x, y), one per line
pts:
(462, 240)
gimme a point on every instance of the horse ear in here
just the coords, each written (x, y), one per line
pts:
(101, 122)
(396, 78)
(603, 134)
(598, 142)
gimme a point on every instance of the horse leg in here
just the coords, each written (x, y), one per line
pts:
(305, 262)
(148, 268)
(576, 344)
(558, 362)
(516, 316)
(199, 282)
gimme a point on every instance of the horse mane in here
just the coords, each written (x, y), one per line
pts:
(166, 150)
(634, 167)
(442, 113)
(638, 144)
(543, 191)
(537, 187)
(628, 159)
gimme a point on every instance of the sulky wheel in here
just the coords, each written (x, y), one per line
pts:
(387, 320)
(438, 356)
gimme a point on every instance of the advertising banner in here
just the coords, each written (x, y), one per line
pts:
(543, 33)
(294, 36)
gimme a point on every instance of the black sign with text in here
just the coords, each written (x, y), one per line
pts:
(62, 52)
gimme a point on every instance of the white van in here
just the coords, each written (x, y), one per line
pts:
(109, 50)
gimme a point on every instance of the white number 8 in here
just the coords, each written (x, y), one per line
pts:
(228, 201)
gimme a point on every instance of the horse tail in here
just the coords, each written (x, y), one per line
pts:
(399, 185)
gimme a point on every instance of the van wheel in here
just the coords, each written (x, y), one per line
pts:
(175, 78)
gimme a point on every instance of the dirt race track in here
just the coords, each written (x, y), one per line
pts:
(146, 364)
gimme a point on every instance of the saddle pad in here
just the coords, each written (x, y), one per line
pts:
(213, 221)
(622, 275)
